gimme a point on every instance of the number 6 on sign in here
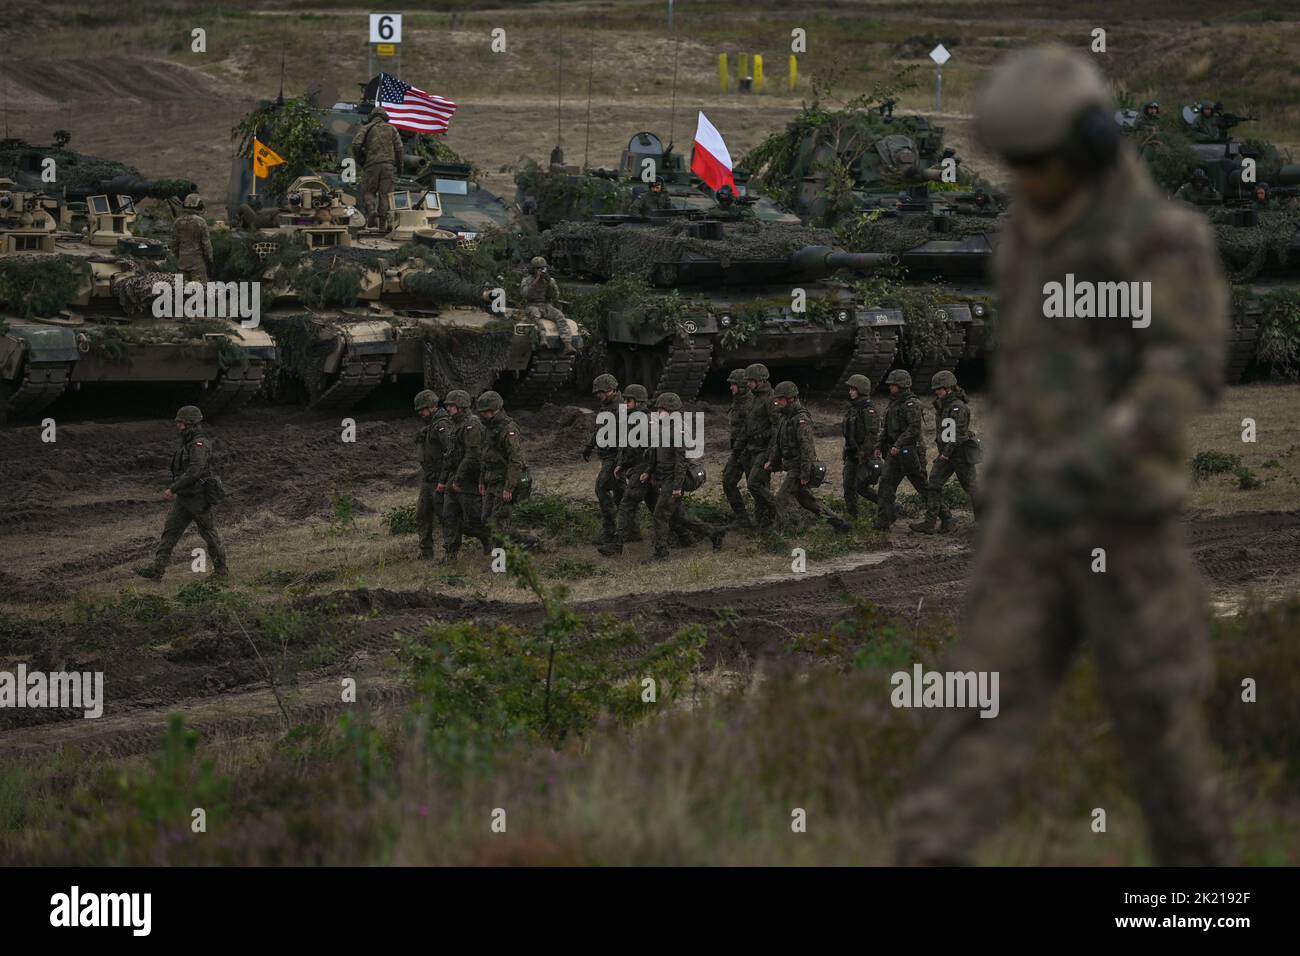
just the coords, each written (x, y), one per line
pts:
(385, 28)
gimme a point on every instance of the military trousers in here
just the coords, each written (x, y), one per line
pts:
(635, 492)
(187, 510)
(909, 463)
(194, 268)
(792, 492)
(565, 327)
(671, 518)
(428, 512)
(759, 482)
(377, 181)
(462, 514)
(732, 472)
(497, 513)
(609, 492)
(858, 481)
(1033, 603)
(940, 472)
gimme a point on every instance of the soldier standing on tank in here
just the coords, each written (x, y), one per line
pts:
(191, 244)
(1092, 454)
(193, 491)
(902, 446)
(794, 451)
(462, 512)
(861, 435)
(378, 148)
(760, 426)
(738, 459)
(433, 442)
(1198, 192)
(503, 466)
(665, 471)
(609, 490)
(541, 301)
(958, 452)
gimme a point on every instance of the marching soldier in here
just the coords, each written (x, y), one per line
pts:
(433, 442)
(737, 460)
(378, 148)
(192, 493)
(628, 465)
(541, 301)
(958, 451)
(902, 446)
(191, 243)
(609, 491)
(665, 471)
(794, 451)
(463, 505)
(503, 466)
(760, 425)
(861, 453)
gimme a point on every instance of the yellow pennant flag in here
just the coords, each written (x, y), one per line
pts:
(264, 157)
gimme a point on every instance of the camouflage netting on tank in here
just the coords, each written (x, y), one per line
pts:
(464, 358)
(113, 342)
(1277, 349)
(40, 285)
(559, 196)
(1248, 250)
(877, 231)
(303, 341)
(441, 285)
(134, 291)
(292, 129)
(637, 251)
(924, 336)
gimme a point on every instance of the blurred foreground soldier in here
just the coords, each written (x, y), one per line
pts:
(609, 491)
(191, 244)
(503, 467)
(861, 452)
(957, 453)
(1198, 192)
(665, 471)
(1091, 454)
(378, 148)
(541, 297)
(902, 446)
(760, 426)
(193, 492)
(794, 451)
(462, 511)
(737, 460)
(433, 443)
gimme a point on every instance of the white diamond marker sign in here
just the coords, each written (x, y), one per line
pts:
(940, 55)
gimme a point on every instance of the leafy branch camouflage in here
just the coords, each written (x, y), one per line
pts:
(293, 130)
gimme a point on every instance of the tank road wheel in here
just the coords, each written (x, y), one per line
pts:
(1242, 341)
(950, 354)
(534, 385)
(41, 384)
(873, 354)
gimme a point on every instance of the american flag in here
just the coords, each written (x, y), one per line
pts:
(413, 109)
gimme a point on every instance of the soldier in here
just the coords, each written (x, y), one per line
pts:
(1206, 129)
(901, 446)
(652, 200)
(861, 452)
(737, 460)
(503, 466)
(1091, 454)
(627, 466)
(665, 472)
(794, 451)
(433, 442)
(609, 491)
(760, 425)
(958, 451)
(1198, 192)
(378, 148)
(191, 244)
(193, 491)
(541, 293)
(462, 511)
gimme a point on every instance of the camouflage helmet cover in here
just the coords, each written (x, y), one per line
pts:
(458, 397)
(1198, 174)
(1030, 107)
(193, 201)
(489, 401)
(537, 262)
(737, 377)
(637, 393)
(899, 377)
(189, 414)
(378, 113)
(426, 399)
(604, 383)
(943, 379)
(668, 401)
(861, 383)
(757, 372)
(786, 390)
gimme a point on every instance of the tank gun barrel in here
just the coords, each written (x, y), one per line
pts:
(1289, 175)
(821, 261)
(133, 186)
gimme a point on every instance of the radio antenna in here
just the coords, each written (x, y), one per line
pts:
(591, 63)
(672, 112)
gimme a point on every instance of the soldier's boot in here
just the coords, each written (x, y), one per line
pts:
(924, 527)
(740, 517)
(449, 556)
(427, 555)
(150, 571)
(661, 552)
(608, 531)
(839, 524)
(716, 538)
(611, 549)
(486, 541)
(221, 573)
(870, 494)
(946, 524)
(633, 535)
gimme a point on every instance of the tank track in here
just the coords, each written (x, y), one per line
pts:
(544, 375)
(685, 368)
(357, 378)
(953, 347)
(232, 390)
(1242, 340)
(873, 353)
(42, 383)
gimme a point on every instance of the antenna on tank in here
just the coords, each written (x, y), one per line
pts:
(557, 154)
(279, 100)
(672, 111)
(591, 62)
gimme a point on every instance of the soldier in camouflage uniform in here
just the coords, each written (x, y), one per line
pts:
(503, 466)
(760, 425)
(738, 459)
(609, 491)
(541, 297)
(378, 148)
(957, 450)
(627, 467)
(794, 451)
(193, 491)
(433, 443)
(861, 435)
(1092, 453)
(462, 512)
(1199, 192)
(902, 446)
(191, 244)
(665, 472)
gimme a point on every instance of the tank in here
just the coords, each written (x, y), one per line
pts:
(76, 310)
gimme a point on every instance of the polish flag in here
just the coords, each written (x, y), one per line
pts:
(711, 161)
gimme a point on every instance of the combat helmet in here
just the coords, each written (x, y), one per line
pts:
(426, 399)
(757, 372)
(668, 401)
(604, 383)
(637, 393)
(786, 390)
(193, 201)
(1032, 106)
(943, 379)
(1199, 175)
(189, 414)
(378, 113)
(537, 262)
(737, 377)
(489, 401)
(458, 397)
(861, 383)
(899, 377)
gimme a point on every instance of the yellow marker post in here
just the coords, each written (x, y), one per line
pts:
(758, 73)
(722, 71)
(794, 71)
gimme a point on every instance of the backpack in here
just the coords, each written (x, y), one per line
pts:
(695, 477)
(525, 486)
